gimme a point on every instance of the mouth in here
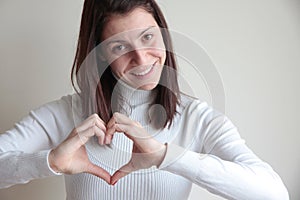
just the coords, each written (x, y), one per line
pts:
(144, 72)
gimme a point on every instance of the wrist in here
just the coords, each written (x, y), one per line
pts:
(161, 154)
(51, 163)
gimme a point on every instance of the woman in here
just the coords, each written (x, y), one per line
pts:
(130, 133)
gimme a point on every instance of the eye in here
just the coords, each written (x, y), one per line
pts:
(148, 36)
(118, 48)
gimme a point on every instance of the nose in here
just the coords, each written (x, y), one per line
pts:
(139, 56)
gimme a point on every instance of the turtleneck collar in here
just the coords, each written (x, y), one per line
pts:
(125, 97)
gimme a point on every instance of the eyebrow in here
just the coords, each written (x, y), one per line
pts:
(120, 41)
(144, 31)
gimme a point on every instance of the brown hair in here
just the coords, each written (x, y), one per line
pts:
(94, 18)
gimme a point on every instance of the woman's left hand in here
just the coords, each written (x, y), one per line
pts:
(146, 152)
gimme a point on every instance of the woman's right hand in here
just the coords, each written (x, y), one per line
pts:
(70, 157)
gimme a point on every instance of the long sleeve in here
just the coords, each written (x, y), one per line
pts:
(218, 159)
(24, 149)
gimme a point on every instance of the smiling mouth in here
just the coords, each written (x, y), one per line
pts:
(145, 72)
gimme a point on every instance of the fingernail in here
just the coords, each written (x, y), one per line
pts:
(113, 184)
(107, 141)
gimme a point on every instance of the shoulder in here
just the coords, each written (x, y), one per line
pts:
(196, 110)
(64, 104)
(198, 119)
(188, 103)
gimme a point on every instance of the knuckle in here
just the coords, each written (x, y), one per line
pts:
(95, 121)
(95, 116)
(116, 114)
(101, 134)
(89, 132)
(94, 129)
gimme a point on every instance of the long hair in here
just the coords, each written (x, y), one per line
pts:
(97, 98)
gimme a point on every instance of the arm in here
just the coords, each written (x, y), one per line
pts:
(225, 166)
(24, 149)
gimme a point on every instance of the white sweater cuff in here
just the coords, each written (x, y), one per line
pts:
(173, 153)
(48, 164)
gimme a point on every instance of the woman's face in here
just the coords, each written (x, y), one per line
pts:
(134, 47)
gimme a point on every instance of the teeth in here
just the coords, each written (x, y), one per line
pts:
(144, 72)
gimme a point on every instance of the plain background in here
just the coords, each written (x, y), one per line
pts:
(255, 45)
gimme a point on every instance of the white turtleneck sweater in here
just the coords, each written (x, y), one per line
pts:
(203, 147)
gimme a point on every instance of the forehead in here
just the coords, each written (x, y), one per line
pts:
(137, 19)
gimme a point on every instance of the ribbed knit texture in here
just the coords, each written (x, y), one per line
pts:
(203, 147)
(152, 184)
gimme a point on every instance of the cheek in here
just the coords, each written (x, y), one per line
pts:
(160, 52)
(162, 55)
(118, 66)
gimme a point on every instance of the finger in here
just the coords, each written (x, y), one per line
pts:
(122, 128)
(123, 171)
(111, 125)
(101, 137)
(99, 133)
(99, 172)
(109, 135)
(111, 122)
(122, 119)
(85, 135)
(111, 129)
(132, 132)
(93, 120)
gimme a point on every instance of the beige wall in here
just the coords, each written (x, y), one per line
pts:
(255, 46)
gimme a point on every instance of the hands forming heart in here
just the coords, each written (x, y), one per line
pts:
(70, 157)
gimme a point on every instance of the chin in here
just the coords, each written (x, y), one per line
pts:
(148, 86)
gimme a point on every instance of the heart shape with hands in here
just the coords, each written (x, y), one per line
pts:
(70, 157)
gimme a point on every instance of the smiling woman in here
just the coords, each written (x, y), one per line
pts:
(128, 132)
(137, 56)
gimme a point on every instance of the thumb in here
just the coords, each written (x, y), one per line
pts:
(99, 172)
(123, 171)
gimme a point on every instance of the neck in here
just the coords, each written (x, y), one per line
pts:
(125, 97)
